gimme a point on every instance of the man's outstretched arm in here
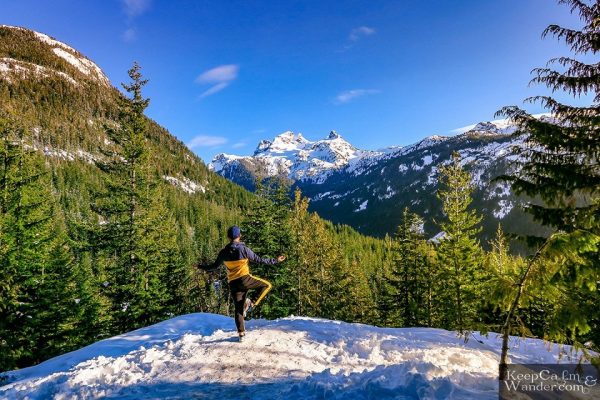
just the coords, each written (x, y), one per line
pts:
(214, 266)
(250, 255)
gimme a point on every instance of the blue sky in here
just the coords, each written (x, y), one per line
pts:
(225, 74)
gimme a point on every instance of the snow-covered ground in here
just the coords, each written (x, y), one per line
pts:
(198, 356)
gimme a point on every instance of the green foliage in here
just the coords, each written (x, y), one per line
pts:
(324, 275)
(410, 281)
(265, 229)
(38, 312)
(560, 172)
(138, 232)
(458, 251)
(59, 294)
(90, 247)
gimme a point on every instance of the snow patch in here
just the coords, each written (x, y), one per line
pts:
(69, 54)
(362, 206)
(84, 65)
(389, 192)
(192, 356)
(503, 209)
(54, 43)
(321, 196)
(10, 66)
(185, 184)
(66, 155)
(498, 190)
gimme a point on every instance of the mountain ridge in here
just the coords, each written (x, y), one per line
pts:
(365, 188)
(71, 56)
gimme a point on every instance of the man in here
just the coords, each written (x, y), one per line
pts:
(236, 257)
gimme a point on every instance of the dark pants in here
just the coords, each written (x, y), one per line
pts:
(239, 289)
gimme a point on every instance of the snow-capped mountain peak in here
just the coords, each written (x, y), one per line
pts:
(314, 161)
(485, 126)
(365, 188)
(262, 146)
(295, 156)
(333, 135)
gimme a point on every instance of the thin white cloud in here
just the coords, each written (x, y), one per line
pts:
(206, 141)
(214, 89)
(222, 73)
(350, 95)
(238, 145)
(360, 32)
(129, 35)
(220, 77)
(133, 8)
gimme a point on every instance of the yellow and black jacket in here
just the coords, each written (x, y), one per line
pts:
(236, 257)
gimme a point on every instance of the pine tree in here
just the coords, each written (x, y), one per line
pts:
(328, 280)
(57, 310)
(408, 282)
(560, 168)
(265, 229)
(357, 302)
(137, 232)
(458, 251)
(37, 310)
(302, 267)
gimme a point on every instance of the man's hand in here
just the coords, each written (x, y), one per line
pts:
(280, 258)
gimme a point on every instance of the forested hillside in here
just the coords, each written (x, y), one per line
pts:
(104, 212)
(103, 215)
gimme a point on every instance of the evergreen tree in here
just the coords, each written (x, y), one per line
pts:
(303, 268)
(266, 230)
(409, 280)
(356, 302)
(37, 309)
(56, 301)
(560, 169)
(137, 232)
(318, 264)
(459, 254)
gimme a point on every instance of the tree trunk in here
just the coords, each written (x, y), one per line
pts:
(503, 370)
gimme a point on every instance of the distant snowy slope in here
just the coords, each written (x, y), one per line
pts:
(304, 160)
(198, 356)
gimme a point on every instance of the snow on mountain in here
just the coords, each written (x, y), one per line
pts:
(198, 356)
(313, 162)
(297, 157)
(500, 126)
(304, 160)
(9, 66)
(368, 189)
(185, 184)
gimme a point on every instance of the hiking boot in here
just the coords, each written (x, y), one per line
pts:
(241, 336)
(248, 307)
